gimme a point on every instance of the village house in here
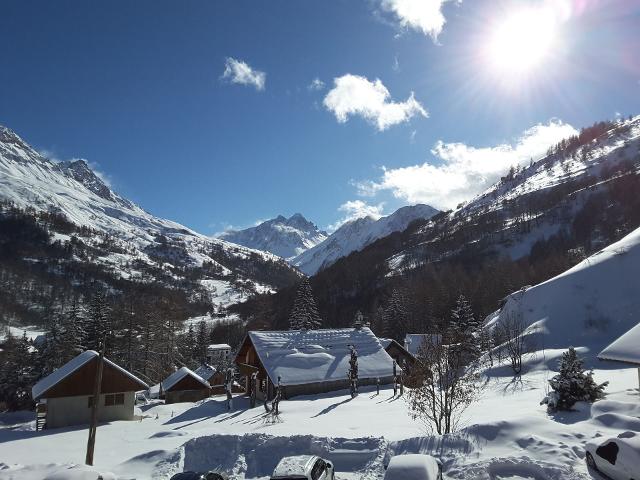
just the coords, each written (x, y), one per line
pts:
(625, 349)
(184, 385)
(65, 397)
(218, 353)
(311, 361)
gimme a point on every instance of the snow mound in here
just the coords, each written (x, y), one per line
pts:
(589, 305)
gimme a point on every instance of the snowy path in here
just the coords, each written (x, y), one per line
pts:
(506, 435)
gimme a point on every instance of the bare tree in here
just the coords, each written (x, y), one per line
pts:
(511, 331)
(445, 385)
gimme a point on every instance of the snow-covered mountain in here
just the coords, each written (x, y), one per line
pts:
(285, 237)
(228, 272)
(357, 234)
(532, 204)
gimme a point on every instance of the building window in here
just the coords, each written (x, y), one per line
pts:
(114, 399)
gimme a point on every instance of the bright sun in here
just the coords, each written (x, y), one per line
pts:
(521, 42)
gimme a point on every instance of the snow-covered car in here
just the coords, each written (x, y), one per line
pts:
(303, 467)
(617, 457)
(413, 467)
(200, 476)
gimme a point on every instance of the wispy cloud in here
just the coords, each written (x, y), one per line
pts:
(355, 95)
(354, 209)
(463, 171)
(422, 15)
(316, 85)
(241, 73)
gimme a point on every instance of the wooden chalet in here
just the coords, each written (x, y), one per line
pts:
(184, 385)
(311, 361)
(65, 397)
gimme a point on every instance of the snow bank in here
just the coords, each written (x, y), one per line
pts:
(589, 305)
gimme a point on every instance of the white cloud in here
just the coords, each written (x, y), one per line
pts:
(316, 85)
(355, 95)
(354, 209)
(464, 171)
(423, 15)
(237, 71)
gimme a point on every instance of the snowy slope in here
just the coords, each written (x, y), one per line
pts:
(72, 189)
(357, 234)
(495, 207)
(589, 305)
(285, 237)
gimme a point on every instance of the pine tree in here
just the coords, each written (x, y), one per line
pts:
(97, 324)
(201, 343)
(572, 384)
(464, 328)
(304, 314)
(396, 317)
(72, 325)
(17, 374)
(53, 353)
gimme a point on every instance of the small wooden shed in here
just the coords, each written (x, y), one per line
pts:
(185, 385)
(65, 397)
(398, 352)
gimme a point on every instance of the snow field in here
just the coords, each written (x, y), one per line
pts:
(505, 434)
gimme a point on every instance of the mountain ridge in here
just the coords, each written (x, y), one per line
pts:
(281, 236)
(228, 272)
(357, 234)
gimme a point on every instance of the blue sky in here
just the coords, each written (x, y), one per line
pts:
(417, 101)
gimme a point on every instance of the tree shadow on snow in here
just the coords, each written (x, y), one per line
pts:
(205, 411)
(332, 407)
(581, 413)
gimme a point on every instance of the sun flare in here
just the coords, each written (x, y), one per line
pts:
(522, 41)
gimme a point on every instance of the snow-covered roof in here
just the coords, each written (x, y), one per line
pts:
(413, 341)
(625, 349)
(293, 466)
(178, 375)
(385, 342)
(71, 366)
(219, 346)
(205, 371)
(309, 356)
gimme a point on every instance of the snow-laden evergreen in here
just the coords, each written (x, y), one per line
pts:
(572, 384)
(304, 314)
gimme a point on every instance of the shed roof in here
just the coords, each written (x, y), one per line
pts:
(73, 365)
(625, 349)
(178, 375)
(205, 371)
(309, 356)
(219, 346)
